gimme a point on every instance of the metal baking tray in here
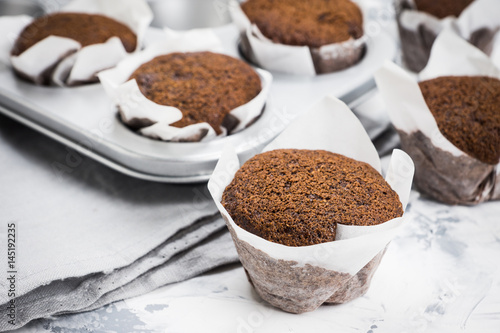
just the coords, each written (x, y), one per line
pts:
(85, 119)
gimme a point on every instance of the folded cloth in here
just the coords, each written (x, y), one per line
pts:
(217, 250)
(177, 259)
(87, 235)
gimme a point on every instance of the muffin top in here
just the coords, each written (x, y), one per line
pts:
(467, 112)
(312, 23)
(87, 29)
(442, 8)
(205, 86)
(296, 197)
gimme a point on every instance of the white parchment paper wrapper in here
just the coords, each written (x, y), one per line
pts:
(478, 23)
(293, 59)
(442, 170)
(153, 119)
(63, 61)
(11, 27)
(495, 52)
(300, 279)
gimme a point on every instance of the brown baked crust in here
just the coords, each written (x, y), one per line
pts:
(297, 197)
(442, 8)
(205, 86)
(467, 112)
(87, 29)
(311, 23)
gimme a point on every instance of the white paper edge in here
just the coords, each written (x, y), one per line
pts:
(133, 104)
(11, 27)
(353, 143)
(247, 112)
(407, 108)
(412, 19)
(451, 55)
(347, 255)
(63, 69)
(479, 14)
(91, 60)
(164, 131)
(495, 53)
(280, 57)
(44, 54)
(238, 16)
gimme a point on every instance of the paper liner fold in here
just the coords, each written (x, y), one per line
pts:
(448, 178)
(478, 24)
(153, 119)
(63, 61)
(495, 52)
(291, 59)
(451, 55)
(443, 171)
(11, 27)
(299, 279)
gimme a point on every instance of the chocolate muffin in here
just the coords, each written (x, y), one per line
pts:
(204, 86)
(467, 112)
(296, 197)
(442, 8)
(312, 23)
(337, 24)
(417, 39)
(87, 29)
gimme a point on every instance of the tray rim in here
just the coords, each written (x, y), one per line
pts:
(98, 157)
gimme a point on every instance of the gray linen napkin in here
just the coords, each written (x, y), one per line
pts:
(217, 250)
(85, 232)
(162, 266)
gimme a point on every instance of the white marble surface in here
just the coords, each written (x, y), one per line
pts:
(440, 275)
